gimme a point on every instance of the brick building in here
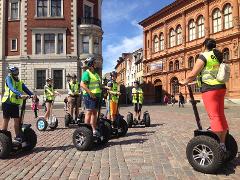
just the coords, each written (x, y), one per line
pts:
(49, 38)
(173, 40)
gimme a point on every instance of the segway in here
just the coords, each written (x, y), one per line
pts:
(29, 138)
(146, 121)
(42, 123)
(83, 138)
(69, 120)
(203, 151)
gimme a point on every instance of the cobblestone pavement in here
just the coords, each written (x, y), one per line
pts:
(157, 152)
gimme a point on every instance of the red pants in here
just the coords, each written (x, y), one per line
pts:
(214, 105)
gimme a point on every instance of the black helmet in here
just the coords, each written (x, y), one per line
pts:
(13, 70)
(210, 43)
(49, 79)
(113, 74)
(90, 61)
(136, 82)
(74, 76)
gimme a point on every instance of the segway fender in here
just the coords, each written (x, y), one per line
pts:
(206, 133)
(7, 133)
(130, 113)
(26, 126)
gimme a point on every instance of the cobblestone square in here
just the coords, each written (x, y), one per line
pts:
(157, 152)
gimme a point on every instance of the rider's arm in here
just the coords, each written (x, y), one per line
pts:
(26, 90)
(84, 82)
(10, 86)
(69, 90)
(84, 86)
(50, 92)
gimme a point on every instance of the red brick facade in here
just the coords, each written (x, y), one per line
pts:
(177, 53)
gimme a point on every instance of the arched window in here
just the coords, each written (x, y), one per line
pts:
(192, 30)
(174, 86)
(217, 21)
(226, 55)
(171, 66)
(179, 35)
(161, 42)
(191, 62)
(200, 24)
(156, 44)
(177, 65)
(172, 38)
(228, 20)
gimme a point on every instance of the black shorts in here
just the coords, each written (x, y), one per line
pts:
(137, 107)
(49, 101)
(10, 110)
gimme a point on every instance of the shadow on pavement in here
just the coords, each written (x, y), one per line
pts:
(230, 167)
(126, 142)
(63, 148)
(140, 133)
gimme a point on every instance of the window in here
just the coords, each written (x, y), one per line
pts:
(200, 24)
(38, 43)
(87, 11)
(171, 66)
(177, 65)
(192, 30)
(156, 44)
(60, 43)
(172, 38)
(42, 8)
(161, 42)
(41, 79)
(179, 35)
(228, 20)
(96, 45)
(57, 79)
(49, 43)
(191, 62)
(14, 10)
(14, 45)
(56, 8)
(85, 42)
(174, 86)
(226, 55)
(217, 21)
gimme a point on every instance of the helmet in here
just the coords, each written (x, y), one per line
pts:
(113, 74)
(74, 76)
(136, 82)
(210, 43)
(90, 61)
(49, 79)
(13, 70)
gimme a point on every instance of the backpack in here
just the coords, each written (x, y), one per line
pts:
(223, 74)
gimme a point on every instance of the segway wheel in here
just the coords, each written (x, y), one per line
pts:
(105, 132)
(232, 147)
(123, 127)
(41, 124)
(5, 146)
(130, 120)
(81, 118)
(204, 154)
(83, 138)
(67, 120)
(147, 120)
(54, 123)
(31, 139)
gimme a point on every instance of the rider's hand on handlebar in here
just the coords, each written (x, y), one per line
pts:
(24, 96)
(92, 95)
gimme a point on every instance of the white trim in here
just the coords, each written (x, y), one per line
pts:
(10, 9)
(2, 28)
(49, 10)
(11, 40)
(90, 4)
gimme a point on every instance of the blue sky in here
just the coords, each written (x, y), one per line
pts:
(120, 25)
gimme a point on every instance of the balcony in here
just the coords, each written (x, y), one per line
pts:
(90, 20)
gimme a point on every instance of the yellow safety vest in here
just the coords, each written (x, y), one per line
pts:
(209, 73)
(94, 83)
(114, 88)
(74, 87)
(11, 96)
(137, 95)
(48, 93)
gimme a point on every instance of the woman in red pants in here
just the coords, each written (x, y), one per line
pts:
(213, 91)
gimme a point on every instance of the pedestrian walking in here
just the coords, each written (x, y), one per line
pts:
(165, 100)
(181, 100)
(173, 100)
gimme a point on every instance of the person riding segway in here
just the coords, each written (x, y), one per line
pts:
(93, 129)
(13, 97)
(73, 101)
(49, 119)
(209, 149)
(137, 100)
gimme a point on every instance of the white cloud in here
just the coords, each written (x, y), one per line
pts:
(114, 51)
